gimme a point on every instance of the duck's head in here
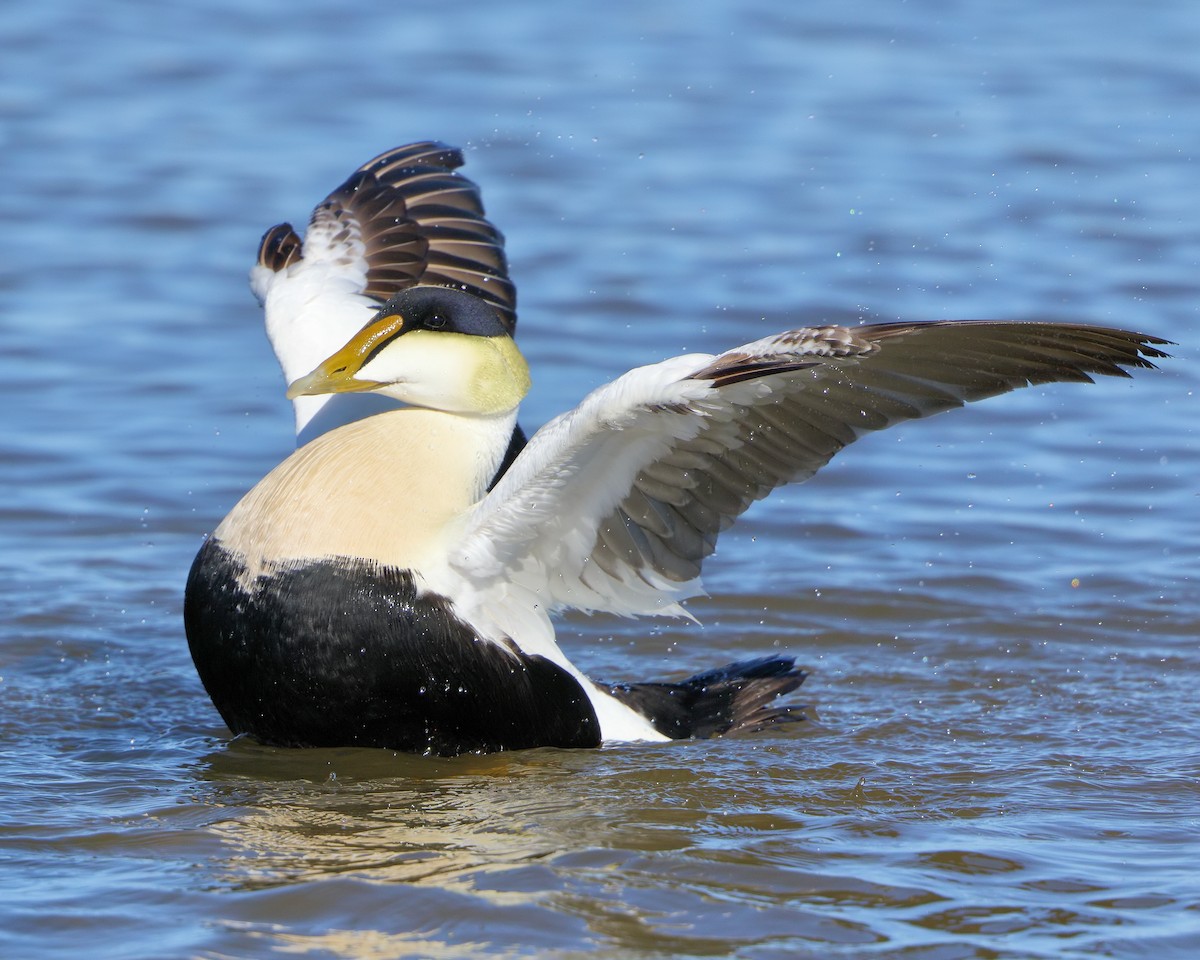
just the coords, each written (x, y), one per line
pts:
(431, 347)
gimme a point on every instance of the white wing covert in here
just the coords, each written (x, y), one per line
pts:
(615, 505)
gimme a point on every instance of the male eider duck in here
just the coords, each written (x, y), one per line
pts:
(402, 219)
(371, 591)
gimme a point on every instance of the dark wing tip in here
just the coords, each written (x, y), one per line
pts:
(737, 698)
(279, 247)
(395, 164)
(1088, 347)
(423, 223)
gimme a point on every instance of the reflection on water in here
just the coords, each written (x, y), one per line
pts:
(384, 816)
(722, 847)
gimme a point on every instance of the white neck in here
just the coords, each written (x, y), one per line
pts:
(318, 415)
(390, 488)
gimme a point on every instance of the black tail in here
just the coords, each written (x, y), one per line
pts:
(730, 699)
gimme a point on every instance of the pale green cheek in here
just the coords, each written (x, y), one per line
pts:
(502, 380)
(519, 369)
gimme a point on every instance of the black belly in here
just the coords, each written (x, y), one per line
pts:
(347, 653)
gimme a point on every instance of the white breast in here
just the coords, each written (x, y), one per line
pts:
(391, 488)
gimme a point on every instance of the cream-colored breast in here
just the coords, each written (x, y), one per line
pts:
(390, 488)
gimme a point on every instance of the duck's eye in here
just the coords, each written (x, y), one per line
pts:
(435, 322)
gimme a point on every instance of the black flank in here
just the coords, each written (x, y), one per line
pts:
(348, 653)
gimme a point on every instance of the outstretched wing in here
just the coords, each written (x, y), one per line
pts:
(404, 218)
(615, 505)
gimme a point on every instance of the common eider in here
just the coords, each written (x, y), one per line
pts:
(371, 591)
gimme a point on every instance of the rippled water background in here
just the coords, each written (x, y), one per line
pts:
(1006, 763)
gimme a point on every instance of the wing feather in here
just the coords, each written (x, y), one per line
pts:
(406, 217)
(615, 505)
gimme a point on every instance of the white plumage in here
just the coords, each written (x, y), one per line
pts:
(404, 218)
